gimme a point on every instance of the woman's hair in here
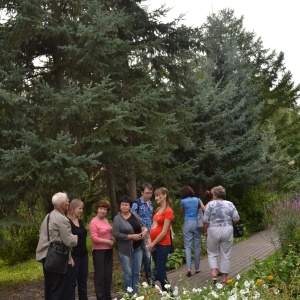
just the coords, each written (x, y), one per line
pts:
(219, 191)
(163, 191)
(73, 205)
(125, 199)
(187, 191)
(103, 203)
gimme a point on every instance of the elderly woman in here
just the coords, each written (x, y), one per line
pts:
(218, 218)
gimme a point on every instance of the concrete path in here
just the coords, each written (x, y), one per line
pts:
(258, 246)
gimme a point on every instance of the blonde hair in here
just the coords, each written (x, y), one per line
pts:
(73, 205)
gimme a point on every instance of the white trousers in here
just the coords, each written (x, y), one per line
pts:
(219, 244)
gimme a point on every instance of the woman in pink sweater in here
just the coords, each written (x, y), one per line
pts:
(103, 242)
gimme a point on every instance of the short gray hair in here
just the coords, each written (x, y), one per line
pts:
(58, 198)
(219, 191)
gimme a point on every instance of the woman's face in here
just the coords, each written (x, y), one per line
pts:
(160, 198)
(124, 207)
(78, 211)
(101, 211)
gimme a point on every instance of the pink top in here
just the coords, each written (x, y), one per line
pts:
(100, 229)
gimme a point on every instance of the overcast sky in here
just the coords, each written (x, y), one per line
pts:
(277, 22)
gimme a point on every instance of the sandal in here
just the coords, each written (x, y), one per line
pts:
(189, 273)
(224, 283)
(197, 271)
(215, 279)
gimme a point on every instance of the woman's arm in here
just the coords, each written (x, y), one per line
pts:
(202, 206)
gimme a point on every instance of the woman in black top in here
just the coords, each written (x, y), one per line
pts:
(78, 271)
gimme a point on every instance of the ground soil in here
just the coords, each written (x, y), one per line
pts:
(35, 290)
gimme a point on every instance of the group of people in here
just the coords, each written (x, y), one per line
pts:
(218, 219)
(141, 237)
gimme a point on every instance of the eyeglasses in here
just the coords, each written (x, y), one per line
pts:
(148, 193)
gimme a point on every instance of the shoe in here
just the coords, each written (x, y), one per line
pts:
(219, 273)
(197, 271)
(215, 280)
(189, 273)
(224, 283)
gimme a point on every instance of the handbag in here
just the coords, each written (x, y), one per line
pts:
(238, 230)
(57, 256)
(200, 216)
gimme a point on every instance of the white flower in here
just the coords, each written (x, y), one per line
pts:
(140, 298)
(158, 288)
(129, 289)
(233, 297)
(175, 292)
(219, 286)
(276, 292)
(145, 285)
(167, 286)
(214, 294)
(256, 295)
(247, 284)
(238, 277)
(265, 286)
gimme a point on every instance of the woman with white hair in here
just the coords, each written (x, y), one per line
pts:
(218, 218)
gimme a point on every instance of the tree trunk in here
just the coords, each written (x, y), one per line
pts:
(132, 181)
(111, 186)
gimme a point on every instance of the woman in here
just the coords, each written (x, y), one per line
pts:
(78, 270)
(189, 207)
(129, 233)
(217, 222)
(102, 249)
(160, 244)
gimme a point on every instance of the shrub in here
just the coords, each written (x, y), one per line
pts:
(282, 218)
(19, 243)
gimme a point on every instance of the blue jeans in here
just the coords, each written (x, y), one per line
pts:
(78, 274)
(147, 264)
(160, 256)
(131, 269)
(192, 235)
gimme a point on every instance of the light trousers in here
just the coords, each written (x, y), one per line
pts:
(219, 244)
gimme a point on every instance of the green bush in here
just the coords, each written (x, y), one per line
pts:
(18, 243)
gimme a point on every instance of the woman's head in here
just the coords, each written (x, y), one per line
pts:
(75, 208)
(125, 199)
(219, 192)
(187, 191)
(103, 204)
(163, 191)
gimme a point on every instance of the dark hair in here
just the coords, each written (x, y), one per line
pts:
(103, 203)
(125, 199)
(187, 191)
(146, 185)
(219, 191)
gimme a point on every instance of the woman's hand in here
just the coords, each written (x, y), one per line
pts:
(72, 262)
(150, 247)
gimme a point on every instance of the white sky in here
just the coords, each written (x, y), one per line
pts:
(277, 22)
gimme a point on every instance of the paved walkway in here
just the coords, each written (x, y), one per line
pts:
(258, 246)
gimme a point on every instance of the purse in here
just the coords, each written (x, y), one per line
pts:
(200, 216)
(57, 256)
(238, 230)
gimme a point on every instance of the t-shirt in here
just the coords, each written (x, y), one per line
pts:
(191, 207)
(100, 229)
(80, 249)
(136, 228)
(158, 221)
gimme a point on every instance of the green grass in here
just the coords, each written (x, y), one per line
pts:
(21, 273)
